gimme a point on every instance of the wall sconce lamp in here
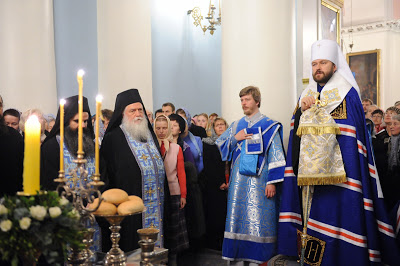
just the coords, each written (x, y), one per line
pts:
(197, 17)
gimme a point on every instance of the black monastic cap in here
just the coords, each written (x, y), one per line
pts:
(124, 99)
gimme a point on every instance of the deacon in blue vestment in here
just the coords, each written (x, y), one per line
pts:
(350, 216)
(254, 145)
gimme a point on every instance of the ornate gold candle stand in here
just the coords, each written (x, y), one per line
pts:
(81, 192)
(115, 256)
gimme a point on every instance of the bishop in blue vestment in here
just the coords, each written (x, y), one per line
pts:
(349, 217)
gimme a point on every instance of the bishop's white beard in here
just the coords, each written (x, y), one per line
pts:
(137, 131)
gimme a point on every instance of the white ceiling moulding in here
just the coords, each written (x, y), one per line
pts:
(389, 25)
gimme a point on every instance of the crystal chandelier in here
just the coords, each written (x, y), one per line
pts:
(211, 17)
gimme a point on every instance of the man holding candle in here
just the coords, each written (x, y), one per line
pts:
(130, 160)
(50, 159)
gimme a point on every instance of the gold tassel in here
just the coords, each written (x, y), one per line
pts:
(317, 130)
(308, 181)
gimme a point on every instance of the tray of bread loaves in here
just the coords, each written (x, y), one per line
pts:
(116, 202)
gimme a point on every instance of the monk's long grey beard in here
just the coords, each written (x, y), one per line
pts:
(71, 141)
(138, 132)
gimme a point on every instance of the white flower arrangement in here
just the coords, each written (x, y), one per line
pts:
(5, 225)
(38, 212)
(54, 212)
(24, 223)
(43, 224)
(3, 209)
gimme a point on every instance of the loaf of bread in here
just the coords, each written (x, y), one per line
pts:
(133, 205)
(115, 196)
(105, 208)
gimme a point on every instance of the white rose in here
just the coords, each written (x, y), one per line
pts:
(75, 214)
(63, 201)
(24, 223)
(5, 225)
(54, 212)
(3, 209)
(38, 212)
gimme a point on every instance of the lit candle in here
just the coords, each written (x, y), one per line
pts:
(62, 102)
(31, 174)
(80, 110)
(99, 98)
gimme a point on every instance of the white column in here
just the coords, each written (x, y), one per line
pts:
(258, 48)
(124, 49)
(27, 65)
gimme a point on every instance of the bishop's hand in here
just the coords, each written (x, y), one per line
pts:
(306, 102)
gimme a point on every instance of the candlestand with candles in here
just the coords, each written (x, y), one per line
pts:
(80, 189)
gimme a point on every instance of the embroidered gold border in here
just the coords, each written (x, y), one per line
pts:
(317, 130)
(340, 112)
(303, 180)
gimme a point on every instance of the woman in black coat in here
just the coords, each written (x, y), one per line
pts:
(215, 185)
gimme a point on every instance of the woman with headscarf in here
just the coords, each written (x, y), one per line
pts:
(177, 129)
(176, 238)
(215, 196)
(194, 202)
(196, 130)
(196, 146)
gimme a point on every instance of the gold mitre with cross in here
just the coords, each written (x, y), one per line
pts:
(320, 161)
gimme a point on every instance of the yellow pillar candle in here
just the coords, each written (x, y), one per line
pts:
(62, 102)
(31, 172)
(99, 98)
(80, 110)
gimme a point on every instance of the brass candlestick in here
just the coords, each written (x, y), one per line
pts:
(81, 193)
(148, 238)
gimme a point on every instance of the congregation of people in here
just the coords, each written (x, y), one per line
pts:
(385, 131)
(209, 184)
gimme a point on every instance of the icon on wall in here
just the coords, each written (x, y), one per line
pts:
(365, 66)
